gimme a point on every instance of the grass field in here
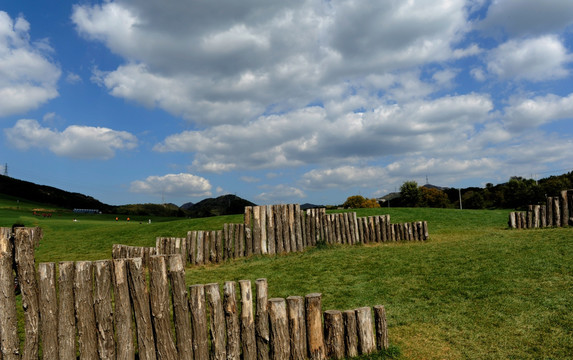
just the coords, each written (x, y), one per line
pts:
(475, 290)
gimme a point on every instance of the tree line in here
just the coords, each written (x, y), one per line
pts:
(516, 194)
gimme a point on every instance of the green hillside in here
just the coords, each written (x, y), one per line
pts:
(475, 290)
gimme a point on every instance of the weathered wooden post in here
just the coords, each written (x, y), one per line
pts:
(48, 309)
(104, 310)
(123, 315)
(364, 326)
(85, 316)
(279, 339)
(350, 333)
(264, 235)
(141, 309)
(556, 212)
(200, 259)
(511, 221)
(314, 331)
(257, 236)
(549, 206)
(160, 312)
(26, 267)
(564, 208)
(217, 321)
(381, 327)
(529, 216)
(232, 321)
(543, 216)
(271, 237)
(262, 320)
(333, 334)
(180, 301)
(9, 341)
(248, 341)
(66, 305)
(199, 321)
(297, 327)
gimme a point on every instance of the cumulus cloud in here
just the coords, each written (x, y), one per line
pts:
(527, 17)
(526, 113)
(537, 59)
(257, 57)
(28, 78)
(78, 142)
(173, 184)
(309, 136)
(279, 194)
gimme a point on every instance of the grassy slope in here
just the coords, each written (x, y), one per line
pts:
(475, 290)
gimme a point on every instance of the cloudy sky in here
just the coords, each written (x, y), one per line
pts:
(134, 101)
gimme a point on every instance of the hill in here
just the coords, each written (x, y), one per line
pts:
(223, 205)
(49, 195)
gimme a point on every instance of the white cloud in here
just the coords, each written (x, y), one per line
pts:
(527, 113)
(257, 57)
(344, 177)
(173, 184)
(538, 59)
(28, 78)
(528, 17)
(309, 136)
(280, 194)
(78, 142)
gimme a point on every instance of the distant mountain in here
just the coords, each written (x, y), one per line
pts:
(307, 206)
(49, 195)
(187, 206)
(223, 205)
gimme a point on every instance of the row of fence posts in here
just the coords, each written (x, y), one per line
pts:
(277, 229)
(556, 212)
(94, 309)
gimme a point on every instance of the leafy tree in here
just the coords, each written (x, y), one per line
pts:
(431, 197)
(358, 201)
(410, 194)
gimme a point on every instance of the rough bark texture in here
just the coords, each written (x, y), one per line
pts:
(122, 314)
(10, 343)
(333, 334)
(66, 305)
(313, 305)
(103, 309)
(381, 327)
(48, 310)
(350, 333)
(160, 311)
(262, 319)
(297, 327)
(140, 300)
(199, 321)
(232, 321)
(217, 320)
(180, 301)
(85, 315)
(366, 343)
(279, 334)
(247, 321)
(24, 244)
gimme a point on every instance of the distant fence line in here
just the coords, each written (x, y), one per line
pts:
(556, 212)
(108, 309)
(277, 229)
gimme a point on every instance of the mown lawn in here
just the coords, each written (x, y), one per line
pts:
(475, 290)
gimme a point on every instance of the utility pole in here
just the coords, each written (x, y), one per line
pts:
(460, 192)
(6, 169)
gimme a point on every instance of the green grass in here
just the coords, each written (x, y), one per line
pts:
(475, 290)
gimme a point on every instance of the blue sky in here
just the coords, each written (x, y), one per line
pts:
(136, 101)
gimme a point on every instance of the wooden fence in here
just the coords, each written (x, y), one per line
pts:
(277, 229)
(556, 212)
(116, 309)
